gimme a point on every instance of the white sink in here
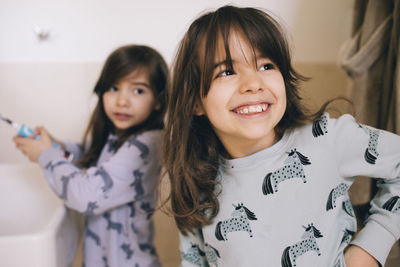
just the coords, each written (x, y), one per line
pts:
(35, 227)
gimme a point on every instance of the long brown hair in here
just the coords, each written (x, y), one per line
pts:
(118, 65)
(191, 148)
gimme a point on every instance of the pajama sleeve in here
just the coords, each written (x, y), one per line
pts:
(75, 149)
(361, 150)
(131, 173)
(192, 249)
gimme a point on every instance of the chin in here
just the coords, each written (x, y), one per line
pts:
(259, 133)
(123, 127)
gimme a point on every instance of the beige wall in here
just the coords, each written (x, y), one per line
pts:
(326, 82)
(58, 96)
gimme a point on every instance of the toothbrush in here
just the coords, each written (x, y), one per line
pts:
(23, 130)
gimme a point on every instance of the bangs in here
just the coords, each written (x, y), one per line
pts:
(115, 71)
(128, 59)
(261, 32)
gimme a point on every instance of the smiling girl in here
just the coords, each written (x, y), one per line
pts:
(255, 179)
(115, 172)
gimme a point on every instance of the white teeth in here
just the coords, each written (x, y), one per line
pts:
(253, 109)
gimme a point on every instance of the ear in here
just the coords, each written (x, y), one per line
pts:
(198, 109)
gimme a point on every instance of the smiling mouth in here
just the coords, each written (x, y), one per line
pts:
(251, 109)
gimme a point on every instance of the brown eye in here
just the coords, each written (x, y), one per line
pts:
(225, 73)
(138, 91)
(268, 66)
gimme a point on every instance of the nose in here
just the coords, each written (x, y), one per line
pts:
(251, 83)
(122, 98)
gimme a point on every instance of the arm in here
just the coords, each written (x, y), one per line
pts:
(124, 177)
(74, 148)
(355, 256)
(365, 151)
(32, 147)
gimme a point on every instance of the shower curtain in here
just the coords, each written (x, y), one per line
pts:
(371, 59)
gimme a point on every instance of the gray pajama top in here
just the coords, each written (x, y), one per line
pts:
(288, 205)
(116, 196)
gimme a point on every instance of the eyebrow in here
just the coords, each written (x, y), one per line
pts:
(224, 62)
(141, 84)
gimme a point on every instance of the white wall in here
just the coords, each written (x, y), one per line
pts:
(87, 30)
(49, 82)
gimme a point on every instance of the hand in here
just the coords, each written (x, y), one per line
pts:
(40, 129)
(31, 147)
(355, 256)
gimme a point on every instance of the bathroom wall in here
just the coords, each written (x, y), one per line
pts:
(49, 81)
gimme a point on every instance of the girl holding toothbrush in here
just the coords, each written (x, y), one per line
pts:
(115, 170)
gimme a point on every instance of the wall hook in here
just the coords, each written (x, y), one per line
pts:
(41, 34)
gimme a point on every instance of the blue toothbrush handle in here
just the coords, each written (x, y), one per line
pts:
(26, 132)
